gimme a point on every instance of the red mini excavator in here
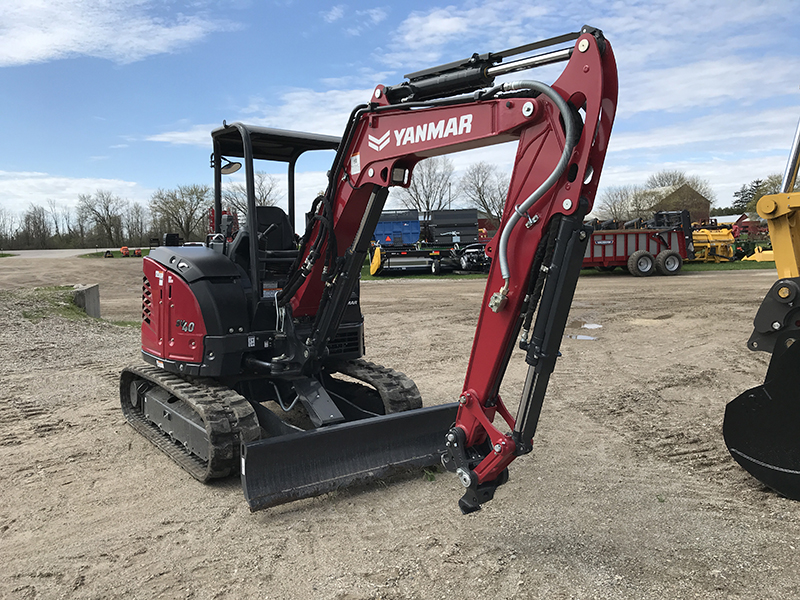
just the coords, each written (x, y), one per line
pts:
(255, 341)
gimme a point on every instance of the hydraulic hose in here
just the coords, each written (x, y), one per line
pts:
(569, 145)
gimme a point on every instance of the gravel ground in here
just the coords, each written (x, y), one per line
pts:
(629, 492)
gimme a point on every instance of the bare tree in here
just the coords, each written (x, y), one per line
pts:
(642, 202)
(675, 179)
(626, 202)
(184, 209)
(105, 211)
(55, 216)
(430, 186)
(485, 188)
(7, 223)
(615, 202)
(136, 218)
(35, 230)
(265, 188)
(74, 234)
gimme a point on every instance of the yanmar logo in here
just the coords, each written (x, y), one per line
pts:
(378, 144)
(423, 133)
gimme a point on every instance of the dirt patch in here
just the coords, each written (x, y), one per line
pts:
(629, 492)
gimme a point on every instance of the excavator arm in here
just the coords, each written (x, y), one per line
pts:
(762, 425)
(562, 131)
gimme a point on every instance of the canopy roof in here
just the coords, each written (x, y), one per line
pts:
(271, 144)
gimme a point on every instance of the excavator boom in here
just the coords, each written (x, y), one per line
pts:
(562, 133)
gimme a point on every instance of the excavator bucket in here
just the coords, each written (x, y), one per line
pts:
(762, 426)
(309, 463)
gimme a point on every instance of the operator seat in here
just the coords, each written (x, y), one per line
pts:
(277, 248)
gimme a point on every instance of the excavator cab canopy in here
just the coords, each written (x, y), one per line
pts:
(270, 144)
(251, 143)
(262, 143)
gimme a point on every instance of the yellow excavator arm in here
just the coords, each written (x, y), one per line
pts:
(762, 425)
(781, 213)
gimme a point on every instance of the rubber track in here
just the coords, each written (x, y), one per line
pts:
(228, 417)
(397, 390)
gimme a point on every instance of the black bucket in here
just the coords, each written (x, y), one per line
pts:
(762, 426)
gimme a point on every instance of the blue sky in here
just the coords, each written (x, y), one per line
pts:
(121, 95)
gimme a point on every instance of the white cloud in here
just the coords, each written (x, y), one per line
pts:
(747, 131)
(124, 31)
(423, 37)
(358, 75)
(299, 109)
(196, 135)
(365, 20)
(374, 15)
(334, 14)
(708, 83)
(21, 189)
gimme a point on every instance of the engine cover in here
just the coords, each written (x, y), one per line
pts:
(193, 297)
(172, 322)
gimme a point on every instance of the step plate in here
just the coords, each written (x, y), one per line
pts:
(302, 465)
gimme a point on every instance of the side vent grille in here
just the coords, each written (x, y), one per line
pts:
(345, 342)
(147, 300)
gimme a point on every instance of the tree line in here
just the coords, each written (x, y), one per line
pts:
(636, 201)
(627, 202)
(746, 198)
(108, 220)
(105, 219)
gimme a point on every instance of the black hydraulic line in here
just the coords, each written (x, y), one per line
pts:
(299, 274)
(529, 305)
(306, 235)
(553, 41)
(340, 291)
(478, 71)
(544, 255)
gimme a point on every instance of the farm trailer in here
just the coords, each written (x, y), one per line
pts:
(660, 245)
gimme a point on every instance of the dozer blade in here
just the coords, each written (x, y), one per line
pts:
(762, 426)
(301, 465)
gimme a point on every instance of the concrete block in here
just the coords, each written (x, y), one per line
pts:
(87, 297)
